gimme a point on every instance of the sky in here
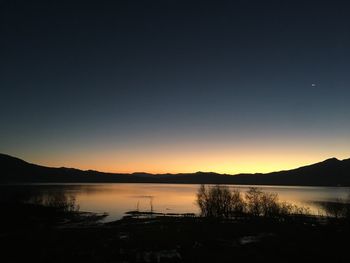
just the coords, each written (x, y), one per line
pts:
(175, 86)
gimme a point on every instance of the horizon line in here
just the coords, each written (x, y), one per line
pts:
(170, 173)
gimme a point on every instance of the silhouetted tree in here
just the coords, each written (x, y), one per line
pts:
(266, 204)
(238, 205)
(219, 201)
(253, 199)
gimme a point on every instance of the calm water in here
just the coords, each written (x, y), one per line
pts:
(116, 199)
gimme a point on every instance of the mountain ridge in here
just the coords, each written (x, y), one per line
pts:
(330, 172)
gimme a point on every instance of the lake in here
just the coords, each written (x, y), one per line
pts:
(116, 199)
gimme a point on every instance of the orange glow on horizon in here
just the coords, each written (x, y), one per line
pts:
(191, 162)
(221, 155)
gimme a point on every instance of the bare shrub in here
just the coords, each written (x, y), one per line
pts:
(339, 208)
(253, 201)
(238, 205)
(58, 201)
(203, 200)
(220, 201)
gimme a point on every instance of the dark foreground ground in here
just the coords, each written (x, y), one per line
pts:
(35, 234)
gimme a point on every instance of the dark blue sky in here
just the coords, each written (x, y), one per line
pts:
(175, 85)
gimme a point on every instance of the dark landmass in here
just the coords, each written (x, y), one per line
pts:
(36, 234)
(331, 172)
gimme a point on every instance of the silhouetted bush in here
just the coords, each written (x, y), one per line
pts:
(58, 201)
(220, 201)
(254, 205)
(237, 203)
(338, 209)
(266, 204)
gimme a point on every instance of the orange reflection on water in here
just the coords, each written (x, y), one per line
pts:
(116, 199)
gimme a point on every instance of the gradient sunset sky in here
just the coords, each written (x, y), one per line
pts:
(175, 86)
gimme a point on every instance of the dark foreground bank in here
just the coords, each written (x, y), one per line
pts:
(43, 234)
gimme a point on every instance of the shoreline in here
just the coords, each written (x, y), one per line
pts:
(179, 239)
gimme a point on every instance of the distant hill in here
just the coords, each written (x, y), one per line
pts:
(331, 172)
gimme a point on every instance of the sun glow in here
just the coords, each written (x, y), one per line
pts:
(173, 162)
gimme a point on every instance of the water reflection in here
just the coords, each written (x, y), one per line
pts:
(117, 199)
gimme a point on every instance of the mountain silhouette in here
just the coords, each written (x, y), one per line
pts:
(331, 172)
